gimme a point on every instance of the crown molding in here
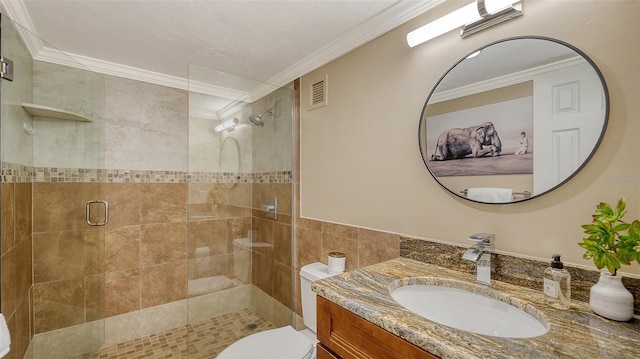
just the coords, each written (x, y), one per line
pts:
(55, 56)
(382, 23)
(503, 81)
(18, 12)
(385, 21)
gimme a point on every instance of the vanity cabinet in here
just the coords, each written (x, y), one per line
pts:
(344, 335)
(322, 353)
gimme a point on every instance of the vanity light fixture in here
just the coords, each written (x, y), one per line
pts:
(227, 125)
(472, 18)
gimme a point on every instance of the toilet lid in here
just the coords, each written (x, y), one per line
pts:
(281, 343)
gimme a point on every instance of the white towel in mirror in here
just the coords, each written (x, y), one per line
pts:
(490, 195)
(5, 337)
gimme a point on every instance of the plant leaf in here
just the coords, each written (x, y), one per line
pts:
(621, 208)
(621, 227)
(610, 241)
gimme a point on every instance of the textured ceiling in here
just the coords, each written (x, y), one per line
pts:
(254, 39)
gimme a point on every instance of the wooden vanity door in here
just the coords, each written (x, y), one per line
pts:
(323, 353)
(351, 337)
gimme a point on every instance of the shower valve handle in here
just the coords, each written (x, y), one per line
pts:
(272, 208)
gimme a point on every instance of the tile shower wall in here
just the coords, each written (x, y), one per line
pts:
(272, 163)
(193, 227)
(164, 243)
(16, 263)
(155, 253)
(146, 126)
(67, 257)
(68, 144)
(272, 271)
(145, 246)
(16, 194)
(171, 234)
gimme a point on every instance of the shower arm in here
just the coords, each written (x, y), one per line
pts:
(270, 111)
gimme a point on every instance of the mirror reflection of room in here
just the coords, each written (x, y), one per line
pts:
(512, 120)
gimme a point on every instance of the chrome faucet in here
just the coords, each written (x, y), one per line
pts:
(481, 254)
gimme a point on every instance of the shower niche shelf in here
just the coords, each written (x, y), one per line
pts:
(40, 112)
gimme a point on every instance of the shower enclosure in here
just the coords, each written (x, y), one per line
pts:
(125, 215)
(240, 202)
(52, 152)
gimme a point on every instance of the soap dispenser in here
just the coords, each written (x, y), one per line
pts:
(557, 284)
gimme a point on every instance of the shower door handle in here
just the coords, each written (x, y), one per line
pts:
(106, 212)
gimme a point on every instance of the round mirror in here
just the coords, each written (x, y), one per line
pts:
(513, 120)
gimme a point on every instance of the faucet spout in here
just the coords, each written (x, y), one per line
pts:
(472, 254)
(480, 253)
(483, 238)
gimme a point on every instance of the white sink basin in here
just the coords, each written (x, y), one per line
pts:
(462, 309)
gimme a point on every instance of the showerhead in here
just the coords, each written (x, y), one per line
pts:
(257, 120)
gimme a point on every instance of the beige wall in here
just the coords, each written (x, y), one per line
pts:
(360, 163)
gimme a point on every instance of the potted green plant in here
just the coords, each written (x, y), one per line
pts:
(611, 242)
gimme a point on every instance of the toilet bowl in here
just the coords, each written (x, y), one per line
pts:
(281, 343)
(285, 342)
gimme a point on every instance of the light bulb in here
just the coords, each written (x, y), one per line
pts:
(464, 15)
(227, 125)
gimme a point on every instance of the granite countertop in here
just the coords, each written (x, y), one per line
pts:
(574, 333)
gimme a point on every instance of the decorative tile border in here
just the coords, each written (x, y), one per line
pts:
(46, 174)
(272, 177)
(12, 172)
(214, 177)
(138, 176)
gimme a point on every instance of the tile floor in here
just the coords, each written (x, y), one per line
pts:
(203, 340)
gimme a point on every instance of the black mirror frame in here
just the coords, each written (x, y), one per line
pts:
(582, 165)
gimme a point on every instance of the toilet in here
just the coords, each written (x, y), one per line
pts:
(285, 342)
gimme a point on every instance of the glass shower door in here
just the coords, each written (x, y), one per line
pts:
(52, 140)
(240, 276)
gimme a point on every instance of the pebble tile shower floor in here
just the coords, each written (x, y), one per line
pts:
(203, 340)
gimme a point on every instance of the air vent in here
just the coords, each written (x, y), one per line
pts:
(318, 94)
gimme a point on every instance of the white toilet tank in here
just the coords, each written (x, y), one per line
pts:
(308, 274)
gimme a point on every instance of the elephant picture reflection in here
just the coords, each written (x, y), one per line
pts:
(491, 138)
(477, 141)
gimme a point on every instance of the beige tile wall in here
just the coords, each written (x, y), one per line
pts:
(16, 263)
(272, 269)
(68, 262)
(363, 247)
(145, 246)
(161, 237)
(161, 241)
(154, 252)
